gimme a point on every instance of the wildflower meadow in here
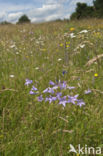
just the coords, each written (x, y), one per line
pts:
(51, 87)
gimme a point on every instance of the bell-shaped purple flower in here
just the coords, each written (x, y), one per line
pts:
(27, 82)
(40, 98)
(80, 102)
(32, 93)
(72, 99)
(51, 83)
(34, 88)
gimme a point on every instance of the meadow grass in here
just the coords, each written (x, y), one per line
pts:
(42, 52)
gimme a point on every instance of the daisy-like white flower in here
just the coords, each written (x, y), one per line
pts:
(17, 53)
(72, 35)
(83, 31)
(37, 68)
(12, 76)
(82, 45)
(13, 46)
(59, 59)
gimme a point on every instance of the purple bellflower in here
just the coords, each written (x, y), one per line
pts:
(51, 83)
(27, 82)
(72, 99)
(80, 102)
(40, 98)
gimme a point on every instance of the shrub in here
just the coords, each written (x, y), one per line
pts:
(23, 19)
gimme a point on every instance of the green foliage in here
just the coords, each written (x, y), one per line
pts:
(98, 4)
(23, 19)
(32, 128)
(73, 15)
(85, 11)
(82, 11)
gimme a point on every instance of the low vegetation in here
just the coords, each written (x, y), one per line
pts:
(51, 92)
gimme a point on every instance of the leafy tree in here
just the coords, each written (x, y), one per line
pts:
(98, 4)
(73, 16)
(80, 10)
(83, 11)
(23, 19)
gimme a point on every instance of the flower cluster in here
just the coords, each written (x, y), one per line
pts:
(56, 92)
(33, 89)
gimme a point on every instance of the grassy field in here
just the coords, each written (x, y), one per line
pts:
(67, 57)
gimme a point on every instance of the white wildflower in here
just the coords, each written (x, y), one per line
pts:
(37, 68)
(72, 35)
(59, 59)
(82, 45)
(83, 31)
(12, 76)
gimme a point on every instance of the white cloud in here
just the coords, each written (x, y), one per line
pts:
(52, 17)
(2, 15)
(46, 12)
(50, 10)
(14, 16)
(9, 7)
(67, 16)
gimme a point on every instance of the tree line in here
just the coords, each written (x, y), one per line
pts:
(23, 19)
(85, 11)
(82, 11)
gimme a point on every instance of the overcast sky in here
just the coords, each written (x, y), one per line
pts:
(37, 10)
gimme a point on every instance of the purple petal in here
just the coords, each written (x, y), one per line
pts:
(76, 95)
(54, 98)
(63, 103)
(87, 91)
(31, 92)
(51, 83)
(27, 82)
(63, 85)
(71, 87)
(40, 98)
(45, 91)
(63, 98)
(64, 72)
(51, 91)
(80, 102)
(72, 99)
(34, 88)
(59, 94)
(55, 87)
(46, 99)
